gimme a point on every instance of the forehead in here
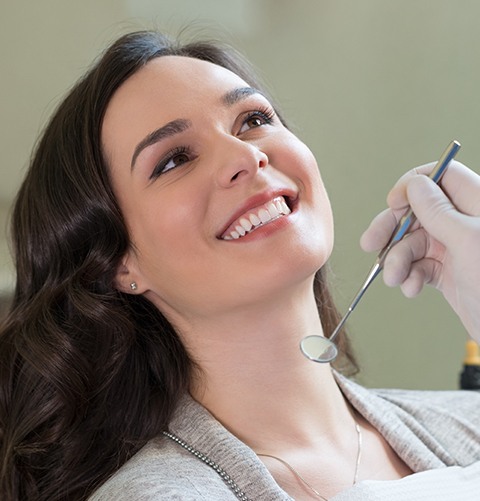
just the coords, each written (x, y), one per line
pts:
(176, 80)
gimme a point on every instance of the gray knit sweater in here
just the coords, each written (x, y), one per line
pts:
(437, 433)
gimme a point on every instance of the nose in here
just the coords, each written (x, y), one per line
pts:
(238, 161)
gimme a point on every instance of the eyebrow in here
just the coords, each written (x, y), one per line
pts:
(235, 95)
(168, 130)
(180, 124)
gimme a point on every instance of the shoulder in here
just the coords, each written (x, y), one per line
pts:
(162, 471)
(434, 408)
(437, 408)
(451, 418)
(431, 428)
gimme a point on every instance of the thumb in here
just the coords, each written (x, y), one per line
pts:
(433, 209)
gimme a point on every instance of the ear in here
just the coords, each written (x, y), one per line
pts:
(127, 278)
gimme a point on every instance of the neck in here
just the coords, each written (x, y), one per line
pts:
(253, 375)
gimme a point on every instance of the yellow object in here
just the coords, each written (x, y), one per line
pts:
(472, 353)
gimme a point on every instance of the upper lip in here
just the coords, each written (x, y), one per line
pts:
(256, 201)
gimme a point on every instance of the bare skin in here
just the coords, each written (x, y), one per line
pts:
(241, 305)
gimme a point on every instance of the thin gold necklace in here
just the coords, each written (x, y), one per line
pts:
(304, 482)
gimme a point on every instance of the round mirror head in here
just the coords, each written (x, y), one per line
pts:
(319, 349)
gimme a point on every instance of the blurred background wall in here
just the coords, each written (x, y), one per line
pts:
(374, 87)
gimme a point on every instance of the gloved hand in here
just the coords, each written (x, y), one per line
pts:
(443, 247)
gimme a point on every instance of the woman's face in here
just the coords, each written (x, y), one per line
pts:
(224, 206)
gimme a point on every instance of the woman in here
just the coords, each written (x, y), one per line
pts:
(168, 238)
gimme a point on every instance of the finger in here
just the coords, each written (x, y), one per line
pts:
(461, 185)
(400, 259)
(463, 188)
(413, 284)
(434, 210)
(422, 272)
(380, 231)
(377, 234)
(397, 197)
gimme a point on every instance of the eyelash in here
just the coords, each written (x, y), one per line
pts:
(265, 113)
(160, 167)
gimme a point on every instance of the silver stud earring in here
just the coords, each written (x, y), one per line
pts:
(133, 286)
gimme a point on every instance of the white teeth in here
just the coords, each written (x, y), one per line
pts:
(264, 215)
(268, 212)
(286, 209)
(240, 230)
(246, 224)
(272, 208)
(254, 220)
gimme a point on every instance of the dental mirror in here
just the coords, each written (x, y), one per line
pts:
(322, 349)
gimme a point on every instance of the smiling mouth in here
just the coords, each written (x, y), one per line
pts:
(255, 218)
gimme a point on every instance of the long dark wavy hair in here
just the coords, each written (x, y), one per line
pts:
(87, 374)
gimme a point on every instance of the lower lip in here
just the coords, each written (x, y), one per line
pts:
(264, 230)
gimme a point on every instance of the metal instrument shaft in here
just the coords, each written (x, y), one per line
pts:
(401, 229)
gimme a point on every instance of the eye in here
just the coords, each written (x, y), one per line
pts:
(257, 118)
(173, 159)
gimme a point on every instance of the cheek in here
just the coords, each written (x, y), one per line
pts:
(302, 166)
(163, 233)
(152, 227)
(167, 259)
(320, 217)
(295, 155)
